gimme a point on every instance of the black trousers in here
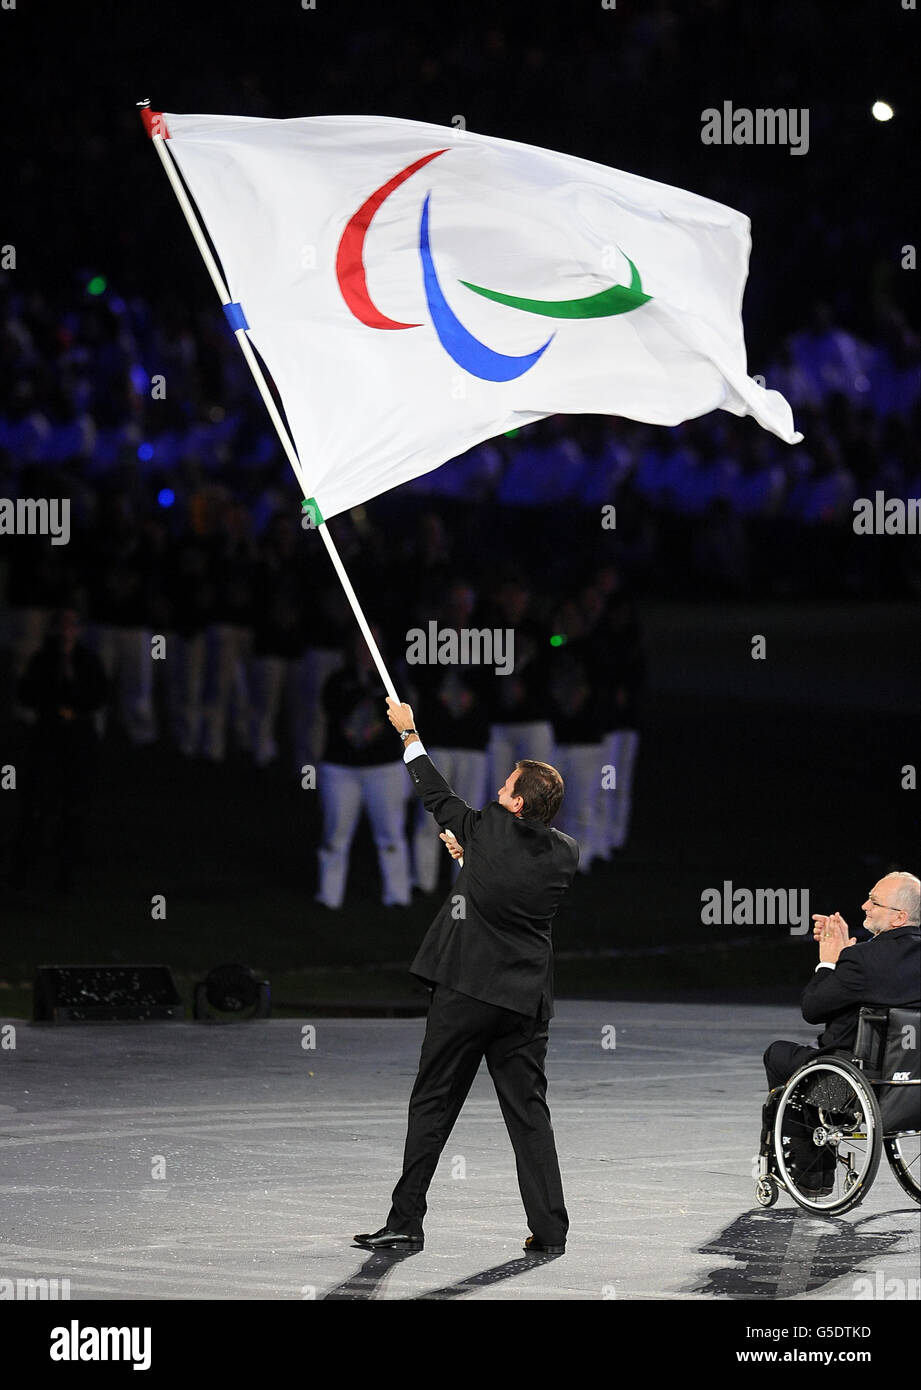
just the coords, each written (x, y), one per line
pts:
(459, 1033)
(813, 1166)
(782, 1059)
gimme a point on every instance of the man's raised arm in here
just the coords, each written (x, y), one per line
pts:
(449, 810)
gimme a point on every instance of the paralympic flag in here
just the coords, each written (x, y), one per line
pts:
(415, 289)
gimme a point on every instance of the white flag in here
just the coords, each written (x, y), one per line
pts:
(415, 289)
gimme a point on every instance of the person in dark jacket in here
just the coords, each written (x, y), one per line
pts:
(65, 685)
(885, 969)
(488, 958)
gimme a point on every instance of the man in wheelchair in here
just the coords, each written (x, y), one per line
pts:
(883, 970)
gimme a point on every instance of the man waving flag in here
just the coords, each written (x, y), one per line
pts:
(415, 289)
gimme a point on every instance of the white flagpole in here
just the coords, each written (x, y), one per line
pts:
(286, 442)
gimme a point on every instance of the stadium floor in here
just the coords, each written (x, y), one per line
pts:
(227, 1162)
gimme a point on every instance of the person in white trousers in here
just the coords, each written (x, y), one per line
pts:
(520, 727)
(622, 676)
(575, 705)
(360, 771)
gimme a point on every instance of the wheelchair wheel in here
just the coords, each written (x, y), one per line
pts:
(827, 1136)
(767, 1191)
(904, 1154)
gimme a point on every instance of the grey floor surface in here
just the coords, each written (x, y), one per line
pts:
(192, 1161)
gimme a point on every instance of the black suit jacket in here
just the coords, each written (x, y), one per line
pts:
(885, 970)
(491, 938)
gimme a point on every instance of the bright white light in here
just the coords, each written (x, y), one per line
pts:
(883, 111)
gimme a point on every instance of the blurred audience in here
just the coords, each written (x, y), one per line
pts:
(64, 687)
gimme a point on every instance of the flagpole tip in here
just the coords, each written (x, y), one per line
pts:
(154, 123)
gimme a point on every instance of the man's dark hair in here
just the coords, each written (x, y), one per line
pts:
(541, 786)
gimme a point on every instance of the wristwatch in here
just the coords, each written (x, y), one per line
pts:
(405, 733)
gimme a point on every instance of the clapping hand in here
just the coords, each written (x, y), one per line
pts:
(832, 934)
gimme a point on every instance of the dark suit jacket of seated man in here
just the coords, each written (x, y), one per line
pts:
(884, 970)
(488, 956)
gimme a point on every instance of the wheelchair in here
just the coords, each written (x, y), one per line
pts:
(824, 1131)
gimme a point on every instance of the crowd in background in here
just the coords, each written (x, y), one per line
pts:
(218, 645)
(219, 624)
(151, 413)
(213, 615)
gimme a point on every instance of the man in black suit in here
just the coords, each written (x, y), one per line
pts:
(885, 969)
(489, 960)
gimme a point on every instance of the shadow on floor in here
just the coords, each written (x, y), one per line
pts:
(780, 1254)
(367, 1282)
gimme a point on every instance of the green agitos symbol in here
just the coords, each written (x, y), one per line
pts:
(619, 299)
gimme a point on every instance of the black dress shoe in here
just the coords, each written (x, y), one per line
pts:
(535, 1247)
(385, 1239)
